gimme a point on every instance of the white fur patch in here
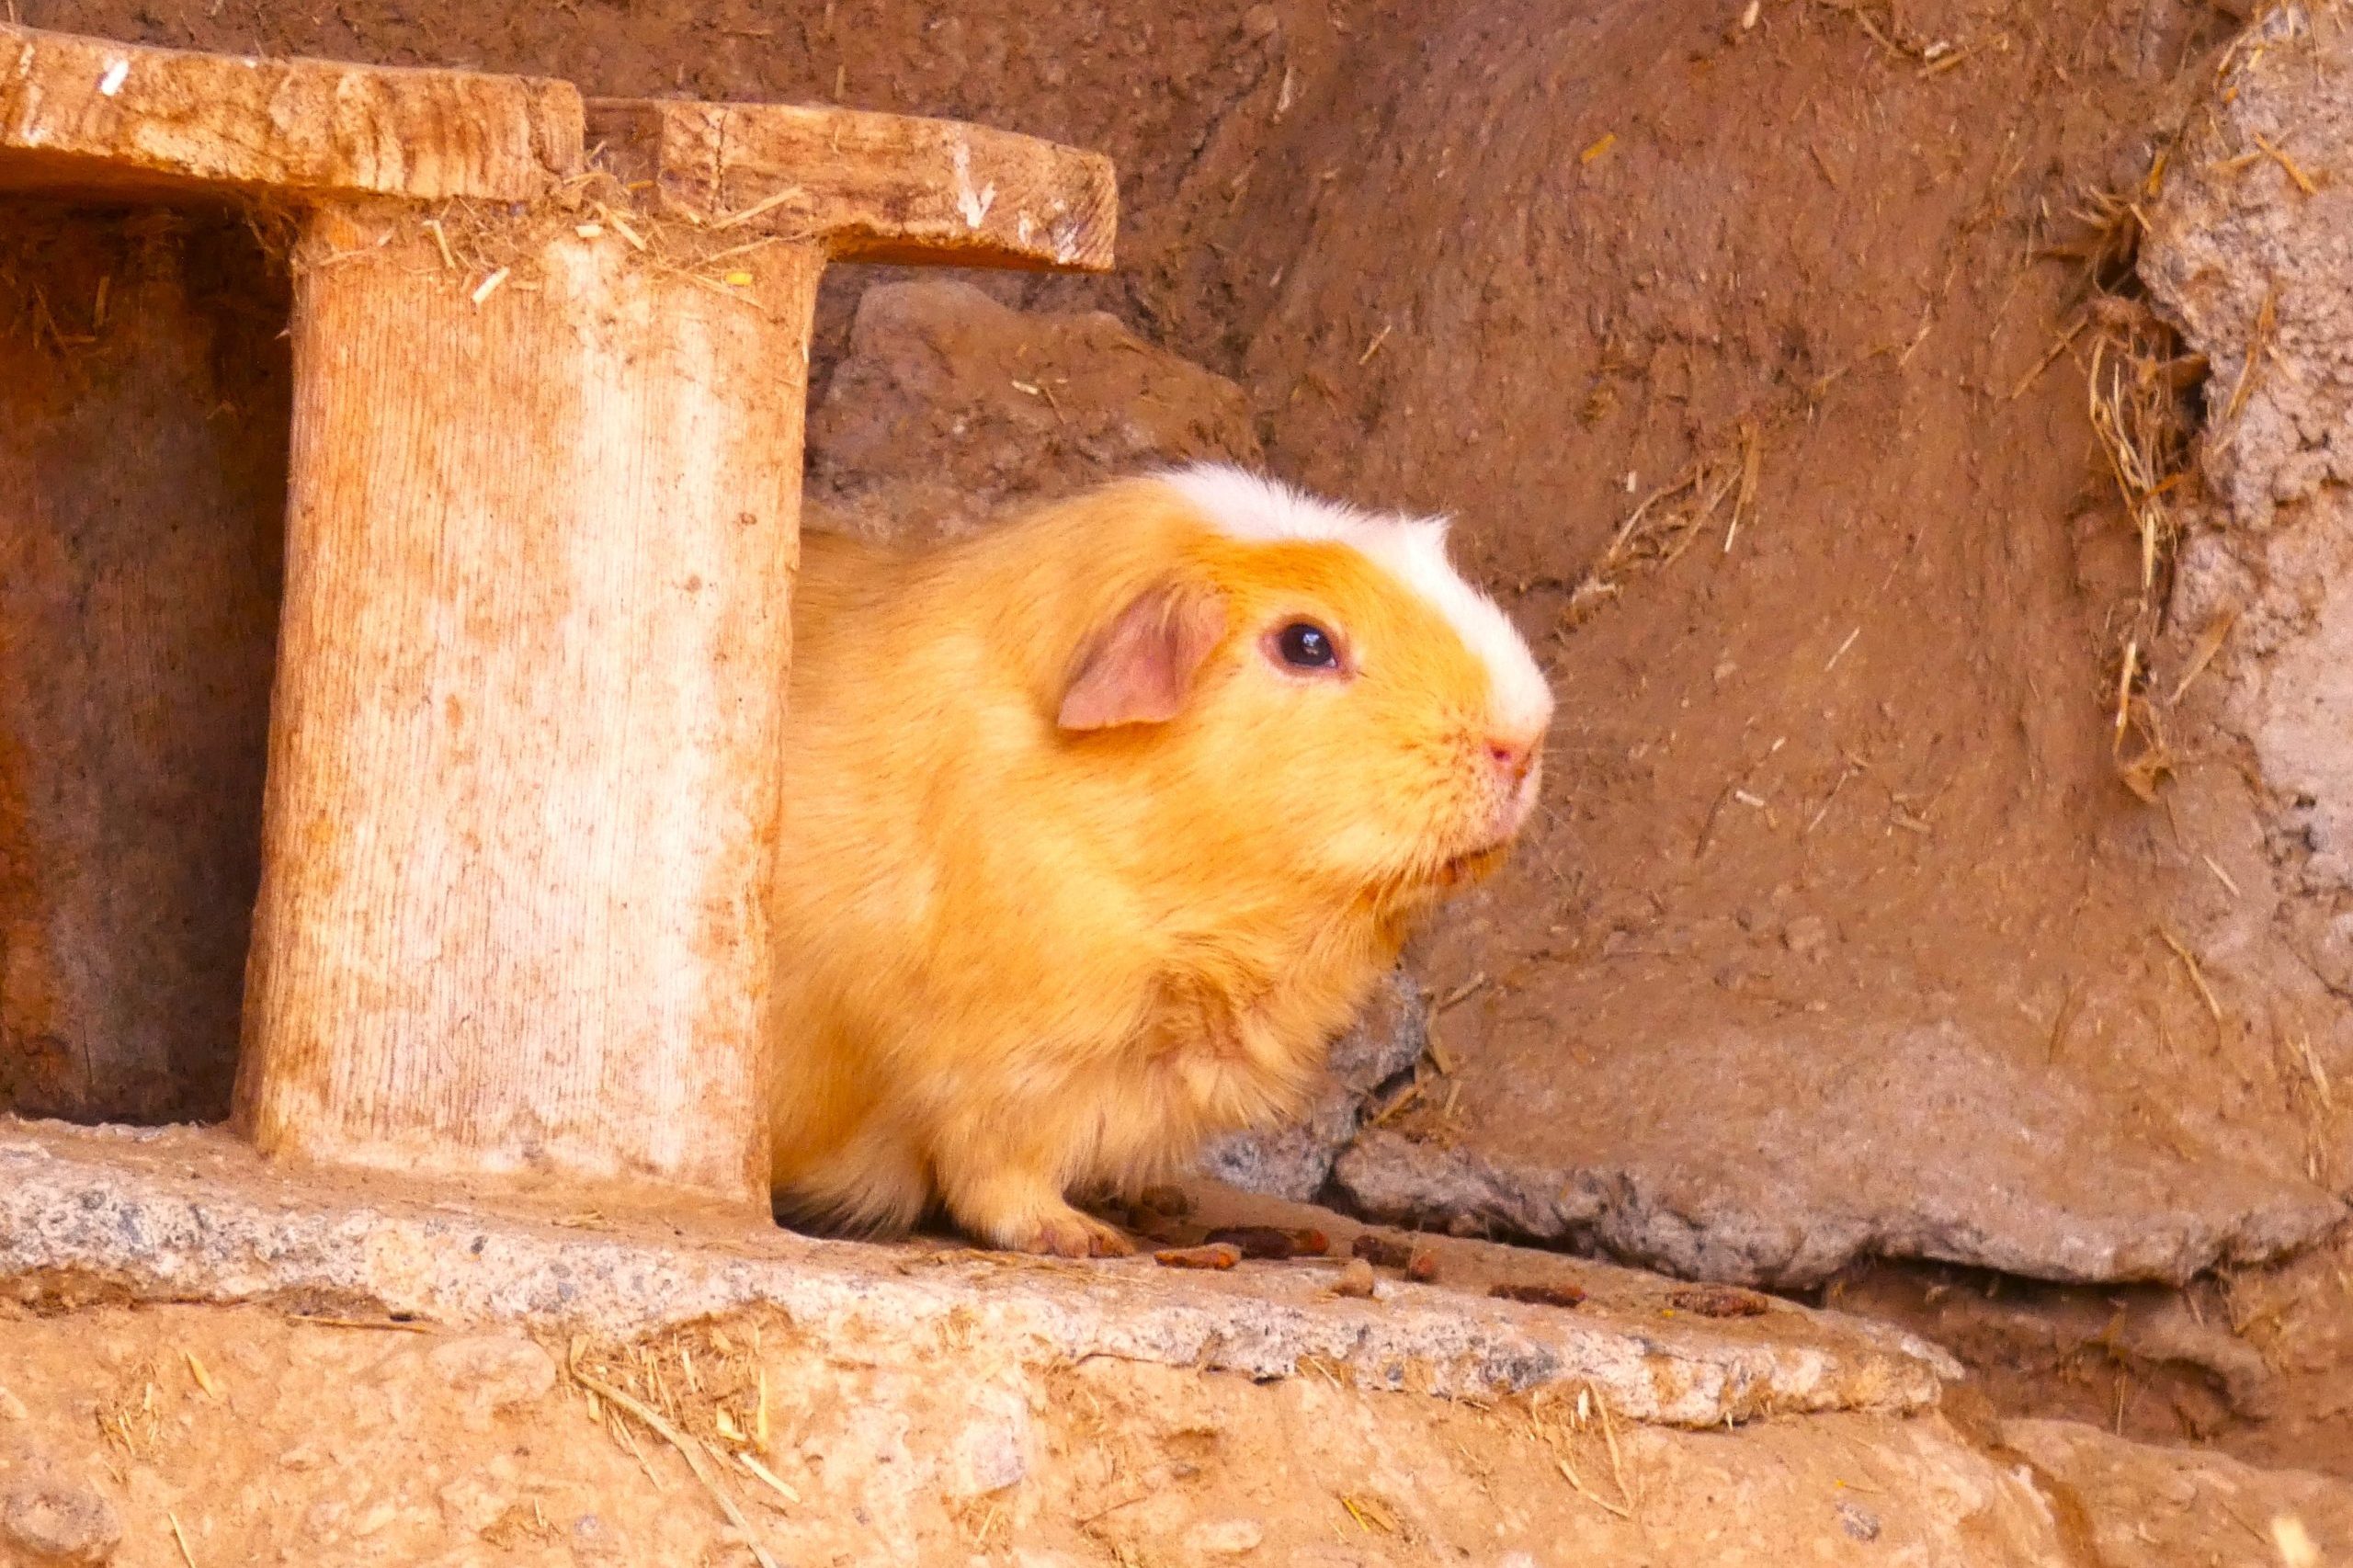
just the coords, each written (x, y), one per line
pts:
(1244, 505)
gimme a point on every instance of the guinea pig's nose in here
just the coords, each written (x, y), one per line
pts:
(1512, 759)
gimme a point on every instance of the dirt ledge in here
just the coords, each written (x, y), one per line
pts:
(189, 1215)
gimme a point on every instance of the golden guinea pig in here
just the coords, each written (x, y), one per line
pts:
(1100, 824)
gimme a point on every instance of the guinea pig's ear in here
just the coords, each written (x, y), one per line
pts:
(1138, 669)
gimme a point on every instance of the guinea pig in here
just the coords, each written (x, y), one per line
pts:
(1100, 823)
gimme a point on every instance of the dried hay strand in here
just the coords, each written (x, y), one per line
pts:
(1371, 1513)
(484, 247)
(705, 1393)
(1882, 23)
(130, 1418)
(2141, 397)
(2110, 227)
(1664, 523)
(1579, 1434)
(2312, 1093)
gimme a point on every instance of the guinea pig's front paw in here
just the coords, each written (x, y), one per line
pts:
(1066, 1232)
(1007, 1205)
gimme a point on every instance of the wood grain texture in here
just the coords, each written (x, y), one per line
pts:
(871, 186)
(524, 750)
(90, 115)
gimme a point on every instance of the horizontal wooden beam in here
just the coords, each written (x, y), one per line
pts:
(869, 187)
(85, 115)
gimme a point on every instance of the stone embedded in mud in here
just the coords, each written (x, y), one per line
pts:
(47, 1523)
(991, 1452)
(594, 1543)
(474, 1502)
(1744, 1196)
(951, 406)
(1293, 1159)
(494, 1372)
(1224, 1537)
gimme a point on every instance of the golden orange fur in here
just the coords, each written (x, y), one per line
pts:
(1018, 958)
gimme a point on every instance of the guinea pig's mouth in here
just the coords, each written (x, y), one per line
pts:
(1470, 866)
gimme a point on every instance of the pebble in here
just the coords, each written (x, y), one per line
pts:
(1719, 1301)
(1857, 1522)
(1268, 1242)
(1356, 1279)
(494, 1372)
(1805, 936)
(1261, 22)
(595, 1544)
(473, 1502)
(1556, 1294)
(1225, 1537)
(51, 1524)
(989, 1458)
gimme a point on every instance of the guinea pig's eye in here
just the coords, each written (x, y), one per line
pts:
(1307, 646)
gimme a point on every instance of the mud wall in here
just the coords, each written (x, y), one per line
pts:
(143, 410)
(1752, 350)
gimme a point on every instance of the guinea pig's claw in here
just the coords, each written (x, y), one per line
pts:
(1074, 1234)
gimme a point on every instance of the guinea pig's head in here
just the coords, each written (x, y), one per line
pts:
(1317, 689)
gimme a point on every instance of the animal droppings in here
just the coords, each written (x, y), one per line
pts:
(1386, 1251)
(1562, 1294)
(1272, 1242)
(1718, 1301)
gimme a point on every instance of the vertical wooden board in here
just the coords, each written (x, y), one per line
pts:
(523, 768)
(142, 499)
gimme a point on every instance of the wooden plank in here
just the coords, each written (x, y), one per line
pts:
(94, 116)
(871, 186)
(526, 737)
